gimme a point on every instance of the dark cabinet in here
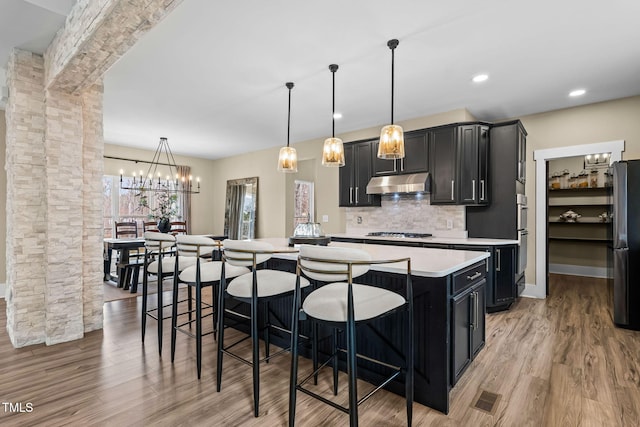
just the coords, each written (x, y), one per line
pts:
(467, 323)
(505, 292)
(459, 164)
(416, 160)
(355, 176)
(501, 286)
(507, 154)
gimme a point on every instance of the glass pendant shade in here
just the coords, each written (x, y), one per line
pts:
(288, 160)
(333, 152)
(391, 136)
(391, 143)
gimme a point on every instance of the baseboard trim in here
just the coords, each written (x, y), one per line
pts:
(3, 288)
(533, 291)
(581, 270)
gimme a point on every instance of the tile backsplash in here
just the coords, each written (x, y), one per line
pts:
(408, 213)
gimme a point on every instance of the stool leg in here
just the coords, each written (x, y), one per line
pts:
(335, 361)
(215, 288)
(293, 375)
(190, 304)
(220, 332)
(199, 328)
(410, 365)
(174, 317)
(256, 354)
(267, 338)
(160, 314)
(351, 370)
(314, 351)
(144, 303)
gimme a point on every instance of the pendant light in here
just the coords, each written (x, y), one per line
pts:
(333, 151)
(391, 136)
(288, 158)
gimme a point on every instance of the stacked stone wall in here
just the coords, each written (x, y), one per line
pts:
(26, 199)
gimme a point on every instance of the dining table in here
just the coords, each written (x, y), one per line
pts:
(124, 247)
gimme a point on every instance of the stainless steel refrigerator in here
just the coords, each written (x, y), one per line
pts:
(626, 244)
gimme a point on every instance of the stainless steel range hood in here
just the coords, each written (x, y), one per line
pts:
(412, 183)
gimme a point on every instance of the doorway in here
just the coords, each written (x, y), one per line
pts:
(541, 157)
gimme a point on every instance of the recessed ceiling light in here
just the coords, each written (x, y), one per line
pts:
(577, 92)
(480, 78)
(337, 116)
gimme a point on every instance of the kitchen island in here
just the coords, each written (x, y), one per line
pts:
(448, 291)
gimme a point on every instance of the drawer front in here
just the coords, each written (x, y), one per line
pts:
(471, 275)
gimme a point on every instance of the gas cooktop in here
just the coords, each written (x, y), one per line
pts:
(399, 234)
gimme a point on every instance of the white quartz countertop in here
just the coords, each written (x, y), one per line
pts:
(438, 240)
(425, 262)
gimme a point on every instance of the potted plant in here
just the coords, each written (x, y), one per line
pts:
(166, 207)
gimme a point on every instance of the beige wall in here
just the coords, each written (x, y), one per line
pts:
(201, 204)
(3, 197)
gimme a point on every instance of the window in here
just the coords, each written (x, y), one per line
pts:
(122, 205)
(303, 210)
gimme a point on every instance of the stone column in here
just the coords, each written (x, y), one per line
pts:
(26, 199)
(92, 211)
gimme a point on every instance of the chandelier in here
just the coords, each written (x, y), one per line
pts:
(162, 176)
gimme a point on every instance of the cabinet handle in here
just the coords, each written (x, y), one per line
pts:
(395, 166)
(473, 189)
(482, 189)
(402, 164)
(498, 260)
(477, 300)
(473, 310)
(356, 195)
(474, 276)
(351, 195)
(452, 181)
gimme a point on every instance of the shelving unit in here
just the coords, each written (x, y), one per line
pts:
(590, 203)
(579, 242)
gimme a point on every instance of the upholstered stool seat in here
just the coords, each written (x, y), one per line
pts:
(329, 302)
(210, 272)
(270, 283)
(169, 263)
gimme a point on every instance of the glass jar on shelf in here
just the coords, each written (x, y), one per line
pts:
(554, 181)
(564, 179)
(608, 178)
(593, 179)
(573, 181)
(583, 179)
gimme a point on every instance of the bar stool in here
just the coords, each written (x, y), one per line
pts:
(200, 274)
(342, 304)
(159, 261)
(258, 286)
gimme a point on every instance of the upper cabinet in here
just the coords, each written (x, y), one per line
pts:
(416, 159)
(459, 164)
(355, 175)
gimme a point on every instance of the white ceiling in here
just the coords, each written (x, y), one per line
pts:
(211, 76)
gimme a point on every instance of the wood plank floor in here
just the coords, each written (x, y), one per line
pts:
(554, 362)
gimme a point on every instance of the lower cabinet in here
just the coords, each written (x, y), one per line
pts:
(467, 327)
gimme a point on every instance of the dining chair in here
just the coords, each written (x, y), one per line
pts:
(178, 227)
(256, 287)
(344, 306)
(202, 273)
(128, 263)
(150, 226)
